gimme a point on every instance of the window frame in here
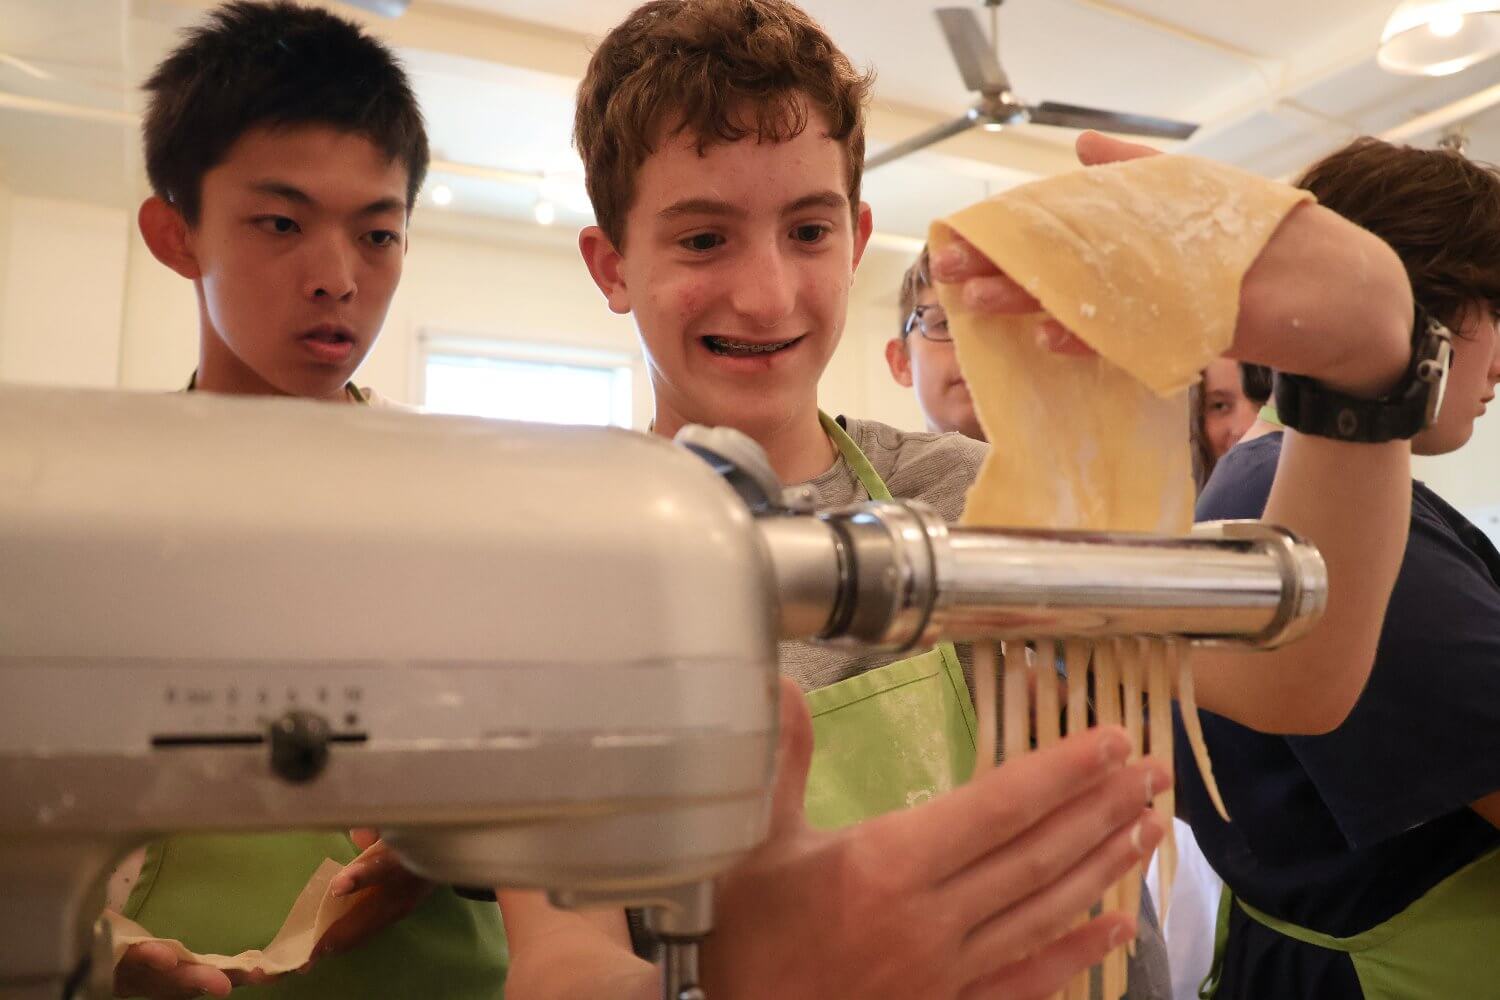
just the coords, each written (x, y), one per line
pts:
(623, 367)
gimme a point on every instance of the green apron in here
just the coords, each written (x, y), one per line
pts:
(225, 893)
(894, 736)
(1440, 947)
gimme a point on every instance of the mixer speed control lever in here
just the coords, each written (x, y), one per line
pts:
(299, 745)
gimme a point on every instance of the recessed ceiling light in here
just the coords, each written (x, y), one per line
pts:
(1446, 25)
(442, 195)
(545, 212)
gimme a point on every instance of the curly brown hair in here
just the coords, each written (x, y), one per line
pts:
(720, 70)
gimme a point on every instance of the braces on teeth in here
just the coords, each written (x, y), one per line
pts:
(727, 346)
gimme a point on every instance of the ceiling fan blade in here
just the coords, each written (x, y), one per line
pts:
(923, 139)
(972, 51)
(1073, 116)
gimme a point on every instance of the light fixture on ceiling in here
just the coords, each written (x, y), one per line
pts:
(1439, 37)
(545, 213)
(441, 195)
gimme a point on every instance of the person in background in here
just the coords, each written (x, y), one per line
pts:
(921, 356)
(1221, 414)
(1364, 864)
(285, 150)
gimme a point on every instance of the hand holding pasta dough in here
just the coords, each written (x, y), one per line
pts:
(387, 890)
(151, 969)
(1324, 298)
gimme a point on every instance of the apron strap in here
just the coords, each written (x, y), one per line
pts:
(876, 488)
(863, 470)
(1209, 988)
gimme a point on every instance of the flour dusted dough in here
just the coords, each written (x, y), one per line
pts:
(311, 915)
(1143, 260)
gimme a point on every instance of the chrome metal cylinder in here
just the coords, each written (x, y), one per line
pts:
(1259, 586)
(894, 575)
(680, 980)
(810, 571)
(680, 919)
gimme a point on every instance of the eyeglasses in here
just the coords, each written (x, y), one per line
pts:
(931, 321)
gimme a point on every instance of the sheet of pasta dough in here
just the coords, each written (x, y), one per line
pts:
(313, 913)
(1143, 260)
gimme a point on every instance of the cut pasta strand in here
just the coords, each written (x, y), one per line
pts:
(984, 708)
(1159, 718)
(1131, 710)
(1017, 729)
(1181, 665)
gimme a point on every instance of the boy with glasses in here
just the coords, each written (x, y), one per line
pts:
(922, 357)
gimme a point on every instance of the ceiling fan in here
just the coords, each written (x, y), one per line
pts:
(978, 62)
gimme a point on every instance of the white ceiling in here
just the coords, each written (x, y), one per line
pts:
(1275, 82)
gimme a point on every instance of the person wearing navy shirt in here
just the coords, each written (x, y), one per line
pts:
(1365, 863)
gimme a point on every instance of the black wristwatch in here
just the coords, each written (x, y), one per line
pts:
(1304, 405)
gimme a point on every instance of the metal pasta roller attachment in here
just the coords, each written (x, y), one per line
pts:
(894, 575)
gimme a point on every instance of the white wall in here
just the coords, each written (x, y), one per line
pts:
(5, 210)
(1469, 478)
(158, 323)
(507, 289)
(64, 285)
(93, 307)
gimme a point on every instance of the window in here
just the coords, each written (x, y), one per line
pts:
(519, 381)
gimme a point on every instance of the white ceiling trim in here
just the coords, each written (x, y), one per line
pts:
(61, 109)
(1442, 117)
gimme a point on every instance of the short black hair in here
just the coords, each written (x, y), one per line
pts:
(273, 64)
(1256, 383)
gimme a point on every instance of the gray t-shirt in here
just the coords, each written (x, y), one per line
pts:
(938, 470)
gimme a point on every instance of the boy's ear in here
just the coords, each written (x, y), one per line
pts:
(864, 226)
(603, 262)
(899, 361)
(166, 235)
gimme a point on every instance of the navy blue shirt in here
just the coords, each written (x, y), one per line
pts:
(1338, 833)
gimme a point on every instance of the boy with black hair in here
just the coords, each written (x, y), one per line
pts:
(285, 150)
